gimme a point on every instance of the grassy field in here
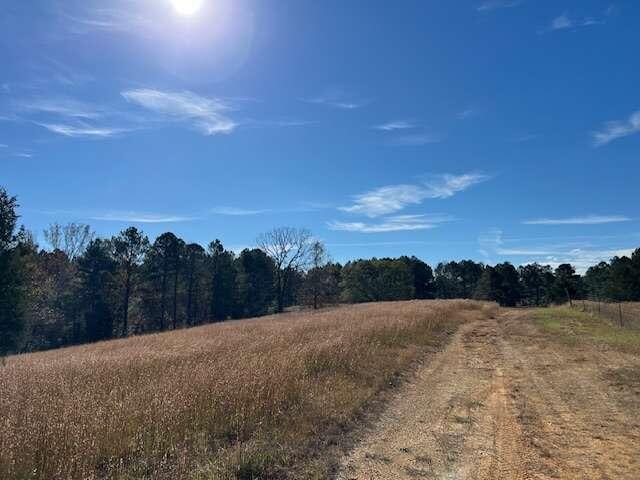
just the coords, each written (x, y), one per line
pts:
(260, 398)
(624, 314)
(574, 326)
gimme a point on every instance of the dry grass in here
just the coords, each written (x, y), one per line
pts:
(574, 326)
(250, 399)
(624, 314)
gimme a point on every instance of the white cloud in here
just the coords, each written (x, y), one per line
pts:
(338, 98)
(581, 258)
(71, 118)
(384, 200)
(281, 123)
(586, 220)
(446, 186)
(3, 145)
(493, 246)
(391, 224)
(497, 4)
(415, 140)
(107, 19)
(395, 125)
(560, 22)
(23, 155)
(82, 131)
(234, 211)
(138, 217)
(617, 129)
(564, 22)
(63, 107)
(523, 252)
(393, 198)
(208, 115)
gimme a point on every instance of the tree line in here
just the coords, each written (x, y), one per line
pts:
(85, 289)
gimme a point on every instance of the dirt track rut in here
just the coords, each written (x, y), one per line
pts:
(504, 402)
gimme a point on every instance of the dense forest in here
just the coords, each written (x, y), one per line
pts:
(85, 289)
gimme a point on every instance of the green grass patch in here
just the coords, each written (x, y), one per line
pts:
(573, 326)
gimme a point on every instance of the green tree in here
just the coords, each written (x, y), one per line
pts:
(457, 279)
(161, 274)
(194, 268)
(129, 248)
(499, 284)
(12, 295)
(509, 290)
(423, 280)
(598, 281)
(536, 282)
(222, 281)
(566, 282)
(97, 290)
(256, 280)
(377, 280)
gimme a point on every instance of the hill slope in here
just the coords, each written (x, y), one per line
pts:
(242, 399)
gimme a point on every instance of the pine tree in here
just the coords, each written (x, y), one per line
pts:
(12, 295)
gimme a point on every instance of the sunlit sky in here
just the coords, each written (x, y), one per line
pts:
(490, 129)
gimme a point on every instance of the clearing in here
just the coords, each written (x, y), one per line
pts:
(531, 394)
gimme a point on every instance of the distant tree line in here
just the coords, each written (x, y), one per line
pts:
(86, 289)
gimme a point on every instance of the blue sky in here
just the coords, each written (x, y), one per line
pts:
(493, 130)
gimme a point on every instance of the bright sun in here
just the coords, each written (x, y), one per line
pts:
(187, 7)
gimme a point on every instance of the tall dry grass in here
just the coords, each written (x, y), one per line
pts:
(248, 399)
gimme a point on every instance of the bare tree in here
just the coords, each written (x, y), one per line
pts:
(290, 249)
(315, 276)
(71, 238)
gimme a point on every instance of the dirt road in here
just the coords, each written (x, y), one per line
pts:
(505, 401)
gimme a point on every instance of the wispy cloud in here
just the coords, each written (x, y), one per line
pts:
(416, 136)
(395, 223)
(491, 5)
(393, 198)
(565, 22)
(106, 19)
(23, 155)
(63, 107)
(338, 98)
(70, 117)
(581, 258)
(82, 131)
(586, 220)
(208, 115)
(494, 247)
(4, 145)
(303, 207)
(395, 125)
(617, 129)
(235, 212)
(140, 217)
(414, 140)
(282, 123)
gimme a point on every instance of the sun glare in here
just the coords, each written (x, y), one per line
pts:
(187, 7)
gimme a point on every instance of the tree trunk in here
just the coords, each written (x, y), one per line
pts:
(125, 307)
(163, 301)
(175, 299)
